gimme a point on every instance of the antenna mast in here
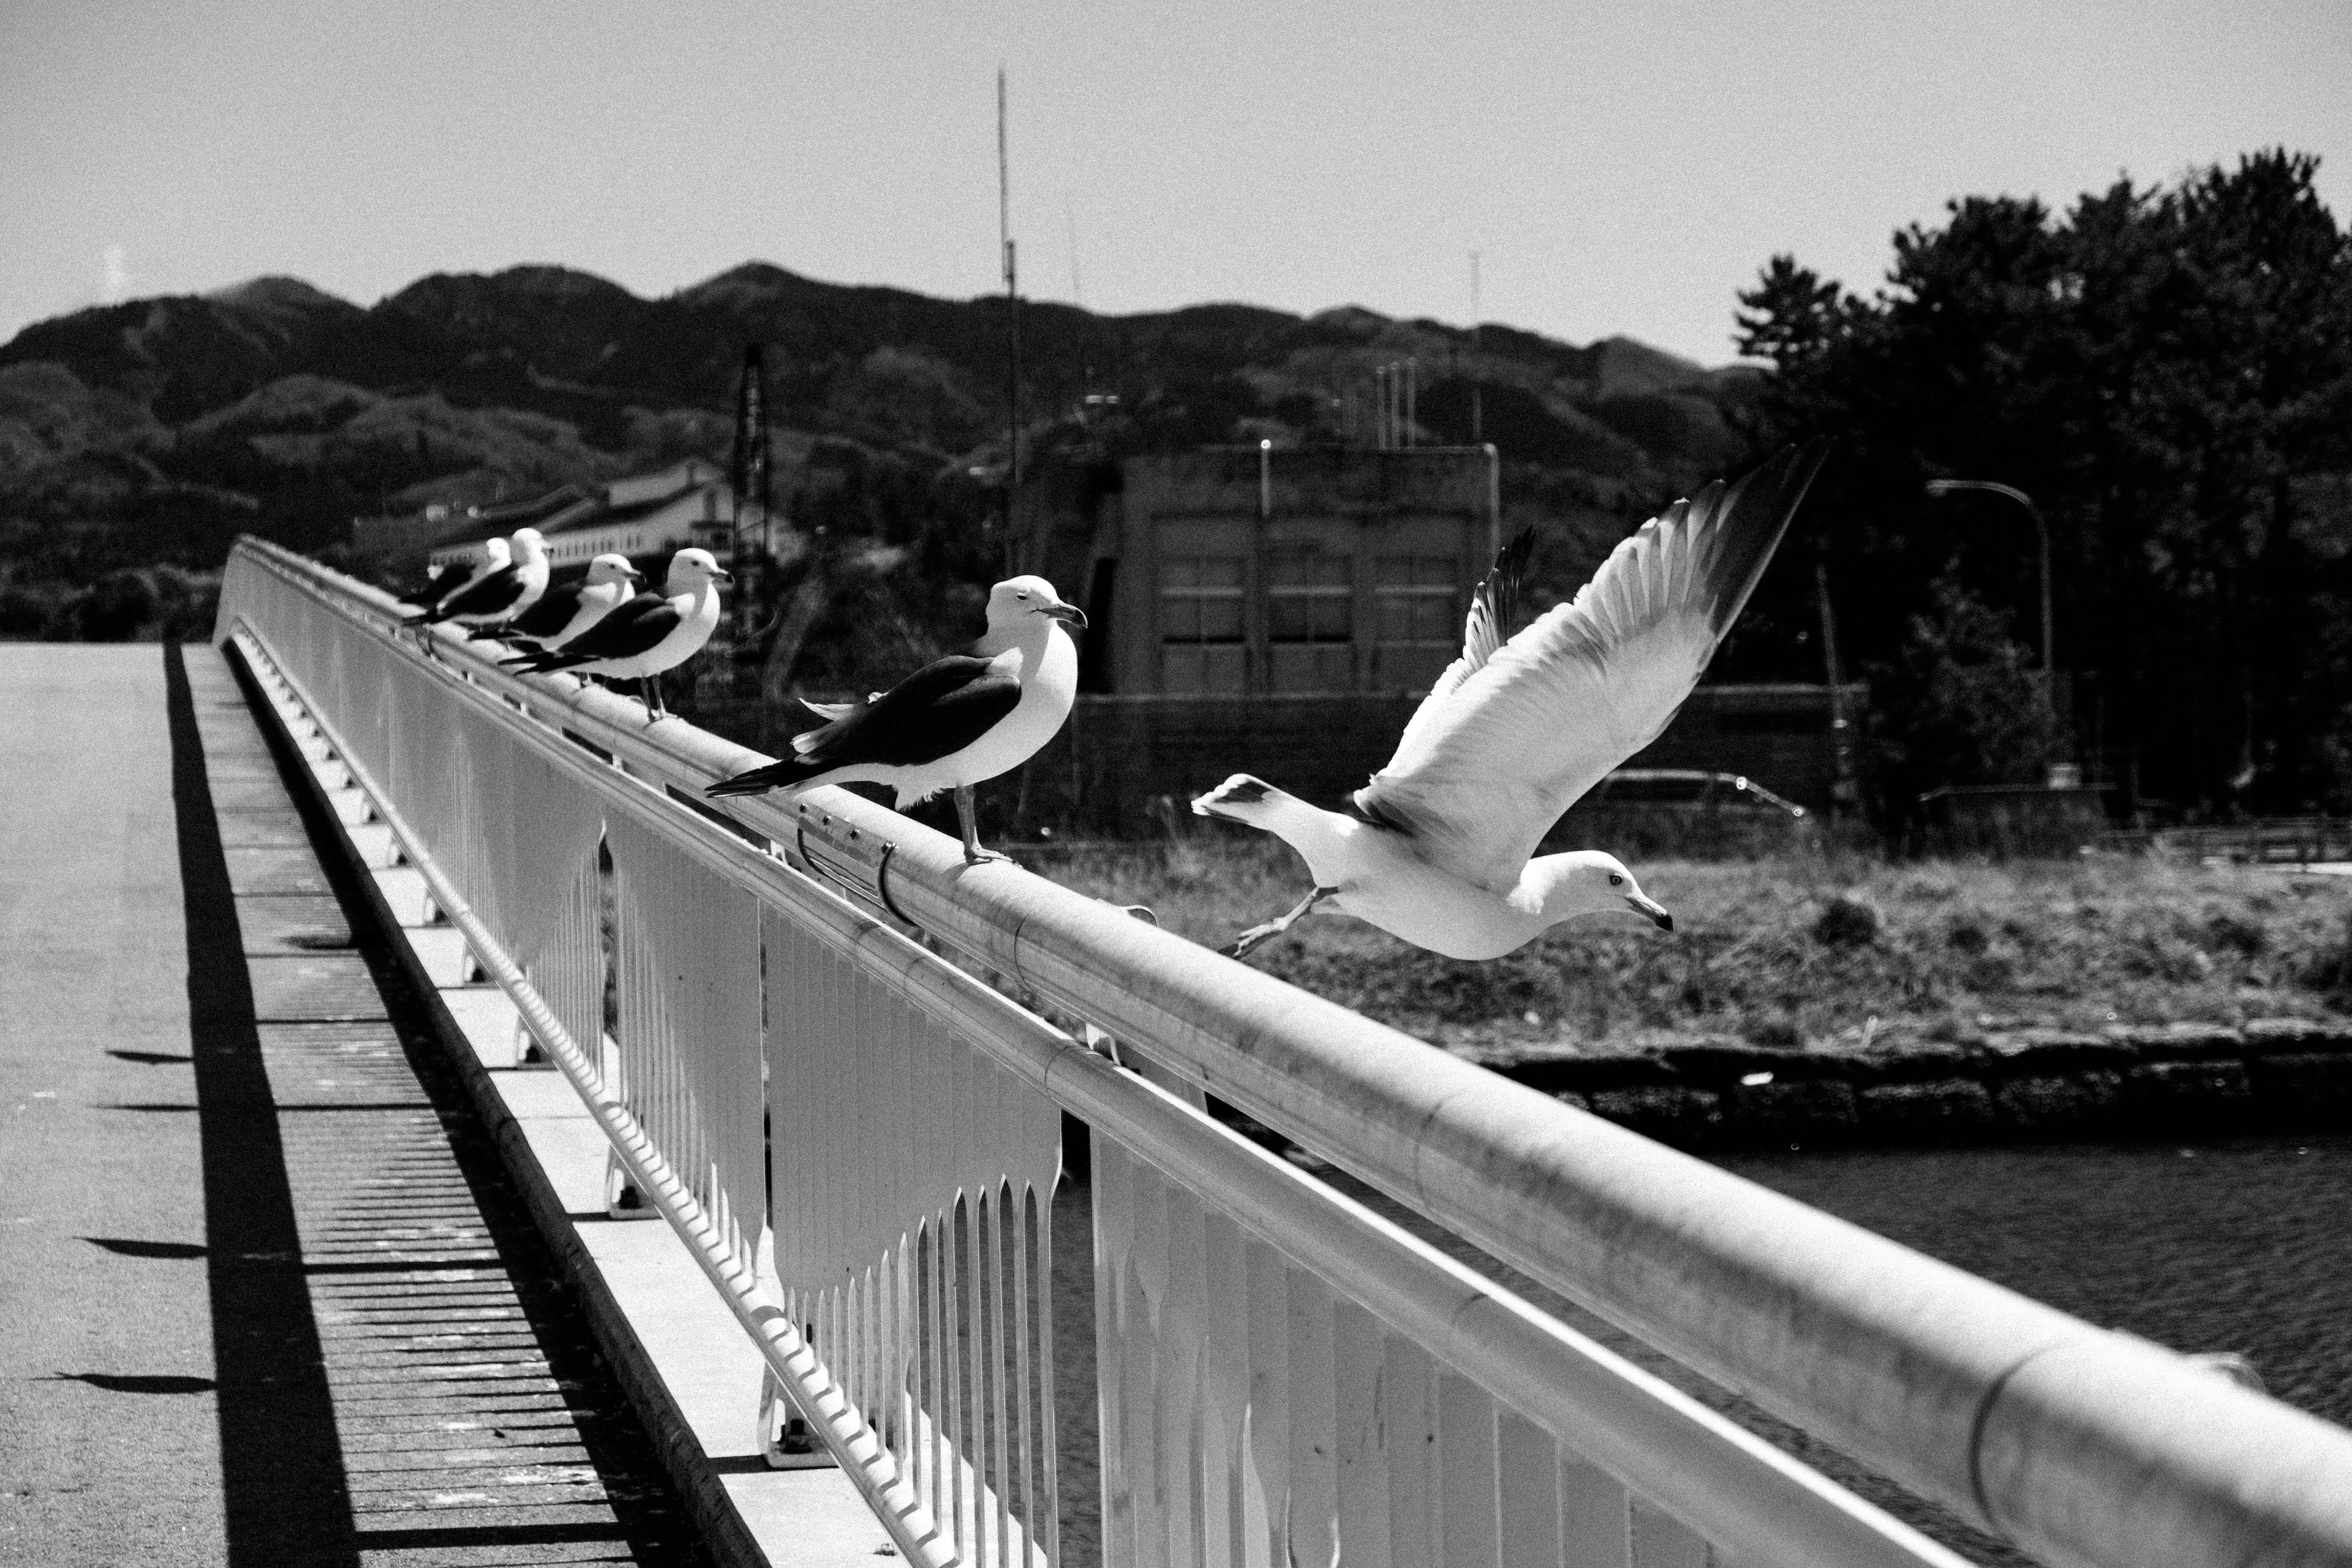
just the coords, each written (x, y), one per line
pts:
(1477, 410)
(1012, 311)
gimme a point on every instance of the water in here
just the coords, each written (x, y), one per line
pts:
(2241, 1246)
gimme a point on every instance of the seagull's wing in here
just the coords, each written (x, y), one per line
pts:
(1493, 758)
(935, 713)
(1493, 608)
(637, 627)
(830, 710)
(550, 615)
(937, 710)
(483, 597)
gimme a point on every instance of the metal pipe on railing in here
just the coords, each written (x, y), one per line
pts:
(2082, 1445)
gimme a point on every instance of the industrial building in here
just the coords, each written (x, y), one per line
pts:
(1283, 612)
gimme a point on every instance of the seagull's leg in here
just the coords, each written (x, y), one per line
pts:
(965, 814)
(1243, 944)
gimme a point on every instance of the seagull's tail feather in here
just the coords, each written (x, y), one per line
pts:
(775, 775)
(1245, 799)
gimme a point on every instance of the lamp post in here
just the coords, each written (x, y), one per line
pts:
(1940, 488)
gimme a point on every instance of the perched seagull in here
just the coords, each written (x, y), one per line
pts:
(649, 634)
(952, 723)
(1436, 849)
(440, 582)
(562, 614)
(494, 597)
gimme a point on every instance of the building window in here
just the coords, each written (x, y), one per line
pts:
(1201, 623)
(1310, 623)
(1419, 621)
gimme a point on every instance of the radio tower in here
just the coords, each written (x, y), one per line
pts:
(1011, 317)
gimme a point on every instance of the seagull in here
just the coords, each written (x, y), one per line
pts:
(649, 634)
(442, 580)
(492, 597)
(1436, 849)
(952, 723)
(562, 614)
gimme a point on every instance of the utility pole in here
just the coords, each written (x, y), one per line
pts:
(1477, 410)
(1012, 314)
(1844, 792)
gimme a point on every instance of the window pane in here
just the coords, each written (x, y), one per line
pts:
(1220, 618)
(1201, 598)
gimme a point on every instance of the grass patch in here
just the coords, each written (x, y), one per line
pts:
(1830, 950)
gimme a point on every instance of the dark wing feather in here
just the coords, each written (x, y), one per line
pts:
(1482, 774)
(937, 710)
(550, 615)
(487, 597)
(634, 628)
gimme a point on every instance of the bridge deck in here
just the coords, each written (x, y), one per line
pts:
(270, 1295)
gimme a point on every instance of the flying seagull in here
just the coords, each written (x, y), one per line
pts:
(649, 634)
(495, 596)
(563, 613)
(1436, 849)
(952, 723)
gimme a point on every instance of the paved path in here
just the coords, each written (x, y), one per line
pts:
(269, 1299)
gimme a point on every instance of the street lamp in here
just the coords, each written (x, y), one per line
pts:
(1940, 488)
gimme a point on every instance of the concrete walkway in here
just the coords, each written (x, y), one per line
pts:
(269, 1295)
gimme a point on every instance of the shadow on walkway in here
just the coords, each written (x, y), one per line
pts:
(403, 1375)
(288, 1500)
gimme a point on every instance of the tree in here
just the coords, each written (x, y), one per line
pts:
(2168, 373)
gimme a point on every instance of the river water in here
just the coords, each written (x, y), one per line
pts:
(2241, 1246)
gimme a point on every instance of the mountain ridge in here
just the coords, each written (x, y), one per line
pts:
(303, 408)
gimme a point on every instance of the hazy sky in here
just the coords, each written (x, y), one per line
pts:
(1619, 167)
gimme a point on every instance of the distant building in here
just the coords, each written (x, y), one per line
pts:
(1281, 613)
(411, 534)
(653, 514)
(1243, 572)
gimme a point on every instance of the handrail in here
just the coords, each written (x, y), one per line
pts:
(2082, 1445)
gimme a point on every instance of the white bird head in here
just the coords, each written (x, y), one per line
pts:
(1012, 602)
(498, 552)
(1588, 882)
(529, 544)
(611, 569)
(689, 570)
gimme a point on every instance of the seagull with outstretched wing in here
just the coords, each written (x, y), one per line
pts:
(1436, 850)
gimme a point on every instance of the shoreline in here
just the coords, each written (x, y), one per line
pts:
(2128, 1082)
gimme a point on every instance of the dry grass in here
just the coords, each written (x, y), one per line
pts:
(1828, 951)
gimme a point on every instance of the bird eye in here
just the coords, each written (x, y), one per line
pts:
(1615, 880)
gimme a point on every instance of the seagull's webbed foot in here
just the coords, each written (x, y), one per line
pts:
(966, 815)
(1251, 940)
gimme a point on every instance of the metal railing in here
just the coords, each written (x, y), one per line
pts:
(1282, 1375)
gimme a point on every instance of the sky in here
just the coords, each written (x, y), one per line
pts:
(1617, 168)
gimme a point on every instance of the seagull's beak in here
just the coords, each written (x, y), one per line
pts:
(1070, 613)
(723, 575)
(1642, 904)
(633, 573)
